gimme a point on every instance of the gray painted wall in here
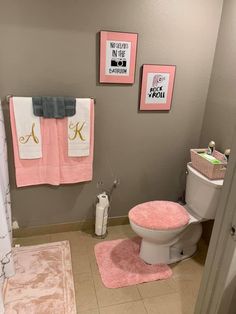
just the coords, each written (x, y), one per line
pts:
(50, 48)
(220, 115)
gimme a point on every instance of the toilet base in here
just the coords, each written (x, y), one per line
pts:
(177, 255)
(150, 253)
(184, 247)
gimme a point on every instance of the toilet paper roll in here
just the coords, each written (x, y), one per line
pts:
(101, 214)
(103, 199)
(101, 220)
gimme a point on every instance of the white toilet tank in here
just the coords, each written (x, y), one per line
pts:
(202, 194)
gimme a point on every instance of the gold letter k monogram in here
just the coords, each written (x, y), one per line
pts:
(77, 131)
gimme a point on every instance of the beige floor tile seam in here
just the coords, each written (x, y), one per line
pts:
(145, 307)
(130, 302)
(94, 286)
(120, 303)
(92, 308)
(163, 295)
(158, 295)
(93, 275)
(141, 298)
(90, 272)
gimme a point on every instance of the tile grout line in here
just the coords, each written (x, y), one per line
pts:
(139, 293)
(162, 295)
(78, 273)
(145, 306)
(159, 295)
(128, 302)
(94, 285)
(121, 303)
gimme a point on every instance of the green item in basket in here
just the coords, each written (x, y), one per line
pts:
(210, 158)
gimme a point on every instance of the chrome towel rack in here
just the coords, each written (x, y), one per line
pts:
(9, 96)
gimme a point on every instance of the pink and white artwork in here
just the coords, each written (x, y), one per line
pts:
(157, 87)
(117, 57)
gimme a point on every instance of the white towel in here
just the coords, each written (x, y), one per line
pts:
(79, 129)
(27, 129)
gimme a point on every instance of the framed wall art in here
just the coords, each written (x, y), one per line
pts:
(117, 57)
(157, 87)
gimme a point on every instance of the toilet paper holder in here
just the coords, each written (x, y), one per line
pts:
(101, 215)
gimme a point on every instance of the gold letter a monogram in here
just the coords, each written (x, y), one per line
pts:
(25, 139)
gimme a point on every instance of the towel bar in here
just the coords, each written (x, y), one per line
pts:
(9, 96)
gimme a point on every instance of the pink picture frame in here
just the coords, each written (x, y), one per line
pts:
(157, 87)
(117, 57)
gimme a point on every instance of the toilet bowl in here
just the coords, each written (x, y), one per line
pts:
(169, 231)
(168, 245)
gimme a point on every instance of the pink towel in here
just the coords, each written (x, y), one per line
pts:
(55, 167)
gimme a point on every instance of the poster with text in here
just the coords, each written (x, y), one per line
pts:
(157, 87)
(117, 57)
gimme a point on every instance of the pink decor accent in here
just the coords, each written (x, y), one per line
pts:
(159, 70)
(161, 215)
(122, 37)
(55, 167)
(120, 265)
(205, 167)
(43, 282)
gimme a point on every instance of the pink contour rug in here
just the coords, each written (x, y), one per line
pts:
(120, 265)
(43, 282)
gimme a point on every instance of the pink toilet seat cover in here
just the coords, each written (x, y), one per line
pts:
(161, 215)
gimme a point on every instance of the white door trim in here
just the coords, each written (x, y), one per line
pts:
(221, 249)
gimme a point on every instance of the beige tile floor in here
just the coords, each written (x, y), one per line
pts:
(176, 295)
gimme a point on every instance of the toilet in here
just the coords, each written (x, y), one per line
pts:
(169, 231)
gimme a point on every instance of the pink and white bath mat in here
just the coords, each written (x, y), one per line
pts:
(120, 265)
(43, 282)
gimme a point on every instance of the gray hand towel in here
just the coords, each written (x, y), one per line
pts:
(54, 107)
(70, 106)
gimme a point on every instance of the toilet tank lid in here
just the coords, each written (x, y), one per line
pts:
(216, 183)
